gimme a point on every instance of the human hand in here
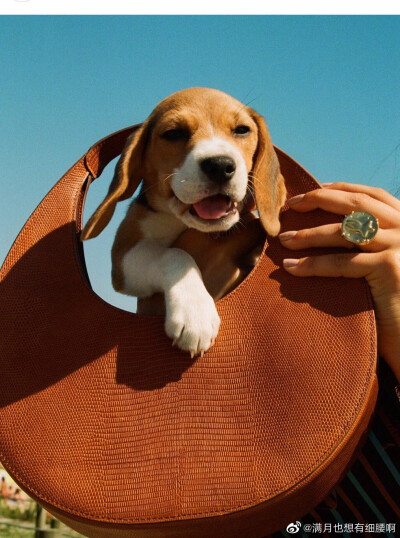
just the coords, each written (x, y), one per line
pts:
(377, 261)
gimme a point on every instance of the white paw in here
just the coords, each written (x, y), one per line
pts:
(192, 320)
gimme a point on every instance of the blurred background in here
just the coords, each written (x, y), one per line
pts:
(22, 517)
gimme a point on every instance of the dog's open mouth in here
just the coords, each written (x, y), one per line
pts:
(214, 207)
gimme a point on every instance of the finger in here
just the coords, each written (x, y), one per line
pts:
(343, 203)
(356, 265)
(374, 192)
(330, 235)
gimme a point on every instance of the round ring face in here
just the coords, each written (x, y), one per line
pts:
(360, 227)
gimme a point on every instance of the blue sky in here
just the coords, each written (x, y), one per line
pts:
(329, 88)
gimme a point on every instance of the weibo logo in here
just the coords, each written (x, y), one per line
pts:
(293, 528)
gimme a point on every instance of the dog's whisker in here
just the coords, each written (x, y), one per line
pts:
(154, 186)
(240, 107)
(247, 94)
(252, 100)
(143, 191)
(254, 177)
(250, 189)
(170, 175)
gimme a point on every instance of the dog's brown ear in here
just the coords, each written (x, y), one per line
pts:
(127, 176)
(268, 182)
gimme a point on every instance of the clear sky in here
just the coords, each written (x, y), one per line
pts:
(329, 88)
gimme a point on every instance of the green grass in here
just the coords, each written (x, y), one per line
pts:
(12, 532)
(27, 514)
(12, 521)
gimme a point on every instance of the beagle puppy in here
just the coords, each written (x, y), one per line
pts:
(204, 161)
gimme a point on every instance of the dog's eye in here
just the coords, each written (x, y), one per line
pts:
(175, 134)
(241, 130)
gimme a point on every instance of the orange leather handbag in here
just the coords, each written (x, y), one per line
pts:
(119, 434)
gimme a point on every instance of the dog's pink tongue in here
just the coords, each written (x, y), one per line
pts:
(213, 207)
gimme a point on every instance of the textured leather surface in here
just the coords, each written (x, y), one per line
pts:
(121, 434)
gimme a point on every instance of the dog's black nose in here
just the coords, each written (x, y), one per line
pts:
(219, 169)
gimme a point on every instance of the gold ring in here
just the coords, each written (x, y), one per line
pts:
(360, 227)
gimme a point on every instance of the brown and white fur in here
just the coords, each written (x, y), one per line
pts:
(203, 159)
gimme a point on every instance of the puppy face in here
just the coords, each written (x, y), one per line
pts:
(204, 157)
(199, 157)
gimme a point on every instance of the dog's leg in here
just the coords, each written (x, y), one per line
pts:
(192, 320)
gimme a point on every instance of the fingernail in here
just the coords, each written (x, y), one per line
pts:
(290, 262)
(326, 184)
(295, 199)
(285, 236)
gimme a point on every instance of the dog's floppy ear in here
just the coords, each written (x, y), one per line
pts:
(127, 176)
(268, 182)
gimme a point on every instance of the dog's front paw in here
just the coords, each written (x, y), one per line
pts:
(192, 320)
